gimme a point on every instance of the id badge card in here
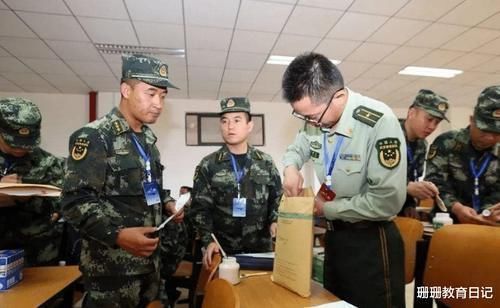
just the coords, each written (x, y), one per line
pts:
(151, 193)
(326, 193)
(239, 207)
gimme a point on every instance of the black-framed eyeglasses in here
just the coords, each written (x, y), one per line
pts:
(318, 121)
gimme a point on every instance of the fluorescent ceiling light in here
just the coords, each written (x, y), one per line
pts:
(285, 60)
(131, 49)
(430, 72)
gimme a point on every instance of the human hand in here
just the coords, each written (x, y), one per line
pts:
(292, 181)
(422, 190)
(273, 229)
(494, 215)
(135, 240)
(467, 215)
(207, 256)
(319, 205)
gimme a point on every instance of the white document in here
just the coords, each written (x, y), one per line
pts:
(179, 205)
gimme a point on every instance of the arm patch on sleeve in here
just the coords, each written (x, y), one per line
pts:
(388, 152)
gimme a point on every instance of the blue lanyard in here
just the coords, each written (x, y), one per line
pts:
(413, 163)
(476, 203)
(239, 174)
(331, 163)
(145, 157)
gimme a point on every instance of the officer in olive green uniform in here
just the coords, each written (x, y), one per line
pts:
(464, 164)
(424, 116)
(358, 151)
(28, 223)
(113, 191)
(236, 189)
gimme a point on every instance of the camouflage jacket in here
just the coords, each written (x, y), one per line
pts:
(448, 168)
(28, 224)
(213, 192)
(418, 149)
(103, 193)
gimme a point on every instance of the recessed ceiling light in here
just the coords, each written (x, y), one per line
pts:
(285, 60)
(430, 72)
(131, 49)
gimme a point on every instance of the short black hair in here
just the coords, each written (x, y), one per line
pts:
(188, 188)
(311, 75)
(248, 115)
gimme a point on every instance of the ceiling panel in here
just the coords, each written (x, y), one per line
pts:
(493, 22)
(263, 16)
(55, 27)
(11, 25)
(351, 70)
(171, 36)
(491, 66)
(109, 31)
(311, 21)
(389, 7)
(245, 60)
(292, 45)
(492, 47)
(208, 74)
(208, 38)
(371, 52)
(102, 84)
(438, 58)
(7, 86)
(113, 9)
(471, 39)
(469, 61)
(12, 65)
(382, 71)
(364, 83)
(239, 88)
(222, 13)
(70, 83)
(27, 48)
(472, 12)
(90, 68)
(169, 11)
(42, 66)
(74, 50)
(45, 6)
(356, 26)
(235, 75)
(27, 80)
(420, 9)
(436, 35)
(405, 55)
(202, 57)
(253, 41)
(397, 31)
(328, 4)
(337, 49)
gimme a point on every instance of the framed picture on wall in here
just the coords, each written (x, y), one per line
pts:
(203, 129)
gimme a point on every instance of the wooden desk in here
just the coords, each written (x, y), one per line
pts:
(260, 291)
(39, 285)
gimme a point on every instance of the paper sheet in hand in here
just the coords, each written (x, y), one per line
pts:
(339, 304)
(22, 189)
(179, 205)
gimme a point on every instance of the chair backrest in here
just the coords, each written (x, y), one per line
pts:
(467, 257)
(207, 274)
(220, 294)
(411, 231)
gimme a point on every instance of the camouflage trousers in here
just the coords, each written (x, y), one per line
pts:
(121, 291)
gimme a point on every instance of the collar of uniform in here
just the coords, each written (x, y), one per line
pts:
(120, 126)
(223, 153)
(345, 124)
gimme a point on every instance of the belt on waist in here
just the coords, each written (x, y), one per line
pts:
(338, 225)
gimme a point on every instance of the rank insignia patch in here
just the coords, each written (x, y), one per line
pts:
(80, 147)
(389, 154)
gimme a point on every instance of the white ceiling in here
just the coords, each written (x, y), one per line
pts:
(48, 45)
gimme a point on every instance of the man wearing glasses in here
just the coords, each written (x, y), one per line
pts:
(359, 155)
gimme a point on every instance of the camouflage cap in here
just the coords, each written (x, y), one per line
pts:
(434, 104)
(235, 104)
(487, 110)
(147, 69)
(20, 121)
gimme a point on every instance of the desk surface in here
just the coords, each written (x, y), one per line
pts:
(260, 291)
(39, 284)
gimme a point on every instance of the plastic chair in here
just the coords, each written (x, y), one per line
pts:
(465, 256)
(220, 294)
(411, 231)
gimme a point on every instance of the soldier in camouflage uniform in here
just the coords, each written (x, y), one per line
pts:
(113, 191)
(29, 222)
(423, 117)
(236, 189)
(464, 164)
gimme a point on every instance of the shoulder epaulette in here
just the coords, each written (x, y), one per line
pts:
(220, 156)
(367, 115)
(117, 127)
(258, 155)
